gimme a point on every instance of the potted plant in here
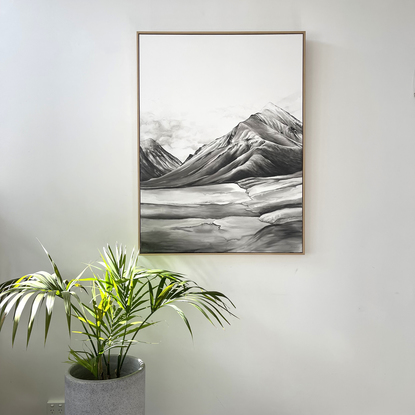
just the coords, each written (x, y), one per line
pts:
(112, 306)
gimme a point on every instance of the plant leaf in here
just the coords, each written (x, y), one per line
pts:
(66, 295)
(35, 307)
(55, 268)
(183, 316)
(50, 300)
(18, 313)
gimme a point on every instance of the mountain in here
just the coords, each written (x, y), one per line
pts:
(155, 161)
(147, 169)
(268, 143)
(282, 121)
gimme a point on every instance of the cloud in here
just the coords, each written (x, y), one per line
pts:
(179, 137)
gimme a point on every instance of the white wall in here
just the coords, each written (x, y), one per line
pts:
(328, 333)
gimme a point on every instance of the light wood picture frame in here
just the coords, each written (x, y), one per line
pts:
(220, 142)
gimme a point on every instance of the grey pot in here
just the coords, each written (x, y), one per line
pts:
(121, 396)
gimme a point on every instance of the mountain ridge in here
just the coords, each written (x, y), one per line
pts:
(268, 143)
(155, 161)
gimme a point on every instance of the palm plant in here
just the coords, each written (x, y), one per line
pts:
(123, 299)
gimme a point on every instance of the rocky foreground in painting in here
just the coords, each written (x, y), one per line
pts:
(240, 193)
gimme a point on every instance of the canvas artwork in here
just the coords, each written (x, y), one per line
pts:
(221, 142)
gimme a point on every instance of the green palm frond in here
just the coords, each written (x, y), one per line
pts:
(123, 301)
(40, 287)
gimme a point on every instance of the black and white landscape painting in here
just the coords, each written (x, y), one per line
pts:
(221, 143)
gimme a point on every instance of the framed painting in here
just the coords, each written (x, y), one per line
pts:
(220, 132)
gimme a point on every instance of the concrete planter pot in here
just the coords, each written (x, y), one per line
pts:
(121, 396)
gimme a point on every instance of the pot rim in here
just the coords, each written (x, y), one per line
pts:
(89, 381)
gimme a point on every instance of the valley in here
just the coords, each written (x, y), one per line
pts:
(256, 215)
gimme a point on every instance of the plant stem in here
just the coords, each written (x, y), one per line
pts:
(135, 334)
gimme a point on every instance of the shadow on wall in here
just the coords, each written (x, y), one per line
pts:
(15, 244)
